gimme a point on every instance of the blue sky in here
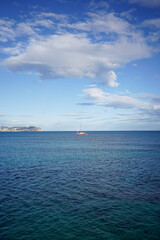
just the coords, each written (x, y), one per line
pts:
(91, 63)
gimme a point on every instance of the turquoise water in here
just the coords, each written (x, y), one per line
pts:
(57, 185)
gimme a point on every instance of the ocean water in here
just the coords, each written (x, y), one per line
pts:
(60, 186)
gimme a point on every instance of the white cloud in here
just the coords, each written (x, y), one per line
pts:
(94, 93)
(53, 15)
(112, 77)
(128, 14)
(154, 37)
(154, 28)
(98, 5)
(6, 30)
(11, 29)
(25, 29)
(153, 98)
(115, 101)
(104, 23)
(67, 53)
(150, 107)
(18, 49)
(146, 3)
(43, 23)
(155, 23)
(75, 56)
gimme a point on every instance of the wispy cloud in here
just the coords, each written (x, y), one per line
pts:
(12, 120)
(82, 115)
(149, 108)
(2, 115)
(104, 23)
(128, 14)
(7, 30)
(97, 5)
(15, 122)
(32, 26)
(154, 23)
(72, 114)
(146, 3)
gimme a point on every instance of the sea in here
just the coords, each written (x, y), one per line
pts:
(60, 186)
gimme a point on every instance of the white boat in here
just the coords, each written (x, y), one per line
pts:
(81, 132)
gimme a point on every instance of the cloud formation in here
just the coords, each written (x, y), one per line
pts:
(94, 5)
(146, 3)
(154, 23)
(77, 49)
(6, 30)
(150, 105)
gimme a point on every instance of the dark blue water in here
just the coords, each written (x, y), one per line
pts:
(57, 185)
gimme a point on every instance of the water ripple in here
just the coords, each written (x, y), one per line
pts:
(57, 186)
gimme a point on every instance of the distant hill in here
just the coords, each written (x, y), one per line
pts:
(20, 129)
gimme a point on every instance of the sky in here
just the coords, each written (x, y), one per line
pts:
(66, 63)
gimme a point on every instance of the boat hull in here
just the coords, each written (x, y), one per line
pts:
(81, 133)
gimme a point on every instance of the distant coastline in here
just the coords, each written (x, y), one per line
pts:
(20, 129)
